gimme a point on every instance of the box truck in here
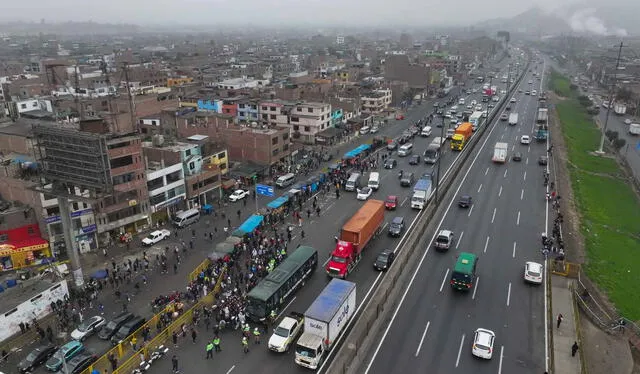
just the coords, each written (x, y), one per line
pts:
(500, 152)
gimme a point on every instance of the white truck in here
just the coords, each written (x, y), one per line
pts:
(286, 332)
(513, 119)
(438, 140)
(325, 319)
(634, 129)
(155, 237)
(500, 152)
(619, 109)
(421, 193)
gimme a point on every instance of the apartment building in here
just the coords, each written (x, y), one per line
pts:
(260, 146)
(375, 102)
(275, 112)
(309, 119)
(248, 111)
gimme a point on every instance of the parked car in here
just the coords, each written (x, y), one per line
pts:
(79, 363)
(88, 327)
(37, 357)
(238, 195)
(112, 326)
(64, 354)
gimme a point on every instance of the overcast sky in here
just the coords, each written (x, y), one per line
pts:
(270, 12)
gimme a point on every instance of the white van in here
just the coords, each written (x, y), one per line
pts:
(405, 150)
(461, 101)
(374, 180)
(285, 180)
(353, 183)
(426, 131)
(185, 218)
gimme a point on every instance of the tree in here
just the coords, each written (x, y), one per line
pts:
(625, 94)
(619, 143)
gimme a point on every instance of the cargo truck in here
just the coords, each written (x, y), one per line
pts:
(354, 236)
(500, 152)
(513, 119)
(620, 109)
(432, 153)
(421, 193)
(542, 115)
(325, 319)
(461, 137)
(634, 129)
(475, 119)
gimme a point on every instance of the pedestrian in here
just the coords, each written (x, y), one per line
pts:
(194, 335)
(574, 349)
(134, 343)
(302, 234)
(174, 337)
(245, 344)
(256, 336)
(559, 320)
(209, 350)
(216, 343)
(174, 364)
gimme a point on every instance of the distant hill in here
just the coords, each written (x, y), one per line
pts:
(532, 21)
(68, 28)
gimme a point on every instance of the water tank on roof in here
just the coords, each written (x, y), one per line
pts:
(158, 140)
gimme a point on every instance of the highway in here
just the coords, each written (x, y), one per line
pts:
(320, 233)
(432, 328)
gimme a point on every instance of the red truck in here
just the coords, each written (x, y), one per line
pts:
(354, 236)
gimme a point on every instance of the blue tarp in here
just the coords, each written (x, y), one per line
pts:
(248, 226)
(277, 203)
(356, 152)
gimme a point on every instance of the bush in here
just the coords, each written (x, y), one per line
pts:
(619, 143)
(573, 87)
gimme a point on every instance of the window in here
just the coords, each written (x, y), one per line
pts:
(241, 106)
(35, 105)
(273, 116)
(187, 153)
(154, 123)
(23, 106)
(192, 165)
(74, 206)
(285, 136)
(295, 119)
(299, 109)
(222, 165)
(273, 109)
(264, 108)
(310, 110)
(296, 128)
(307, 128)
(274, 140)
(265, 117)
(275, 152)
(285, 148)
(222, 155)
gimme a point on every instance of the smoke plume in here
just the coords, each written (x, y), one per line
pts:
(586, 21)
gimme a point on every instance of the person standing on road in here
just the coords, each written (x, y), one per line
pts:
(174, 364)
(256, 336)
(574, 349)
(245, 344)
(559, 320)
(216, 343)
(209, 349)
(194, 335)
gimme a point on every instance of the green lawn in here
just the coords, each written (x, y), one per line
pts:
(609, 210)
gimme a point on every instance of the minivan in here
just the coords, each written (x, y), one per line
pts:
(405, 150)
(426, 131)
(396, 226)
(374, 181)
(185, 218)
(407, 179)
(127, 329)
(353, 183)
(285, 180)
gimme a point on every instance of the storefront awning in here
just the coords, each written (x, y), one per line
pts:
(31, 244)
(248, 226)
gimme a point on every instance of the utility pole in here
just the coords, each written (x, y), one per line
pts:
(439, 159)
(134, 124)
(610, 101)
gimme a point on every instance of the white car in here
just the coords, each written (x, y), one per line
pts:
(155, 237)
(483, 340)
(525, 139)
(533, 272)
(484, 114)
(87, 328)
(513, 99)
(364, 193)
(530, 82)
(364, 130)
(238, 195)
(473, 102)
(478, 107)
(470, 107)
(375, 129)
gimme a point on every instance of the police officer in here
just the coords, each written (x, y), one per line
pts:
(209, 350)
(245, 344)
(216, 343)
(256, 336)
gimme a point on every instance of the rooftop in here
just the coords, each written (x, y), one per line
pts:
(14, 296)
(171, 146)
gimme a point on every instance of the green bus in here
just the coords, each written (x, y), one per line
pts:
(273, 292)
(464, 273)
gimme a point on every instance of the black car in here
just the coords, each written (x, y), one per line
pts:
(407, 179)
(414, 160)
(508, 107)
(390, 163)
(79, 363)
(517, 156)
(465, 201)
(127, 329)
(384, 260)
(396, 227)
(37, 357)
(110, 329)
(543, 160)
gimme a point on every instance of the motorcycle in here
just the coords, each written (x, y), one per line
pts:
(155, 355)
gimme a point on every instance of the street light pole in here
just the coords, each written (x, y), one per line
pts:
(611, 96)
(439, 159)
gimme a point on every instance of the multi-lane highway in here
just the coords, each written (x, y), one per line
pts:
(320, 233)
(432, 328)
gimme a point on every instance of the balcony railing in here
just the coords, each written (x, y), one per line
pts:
(124, 151)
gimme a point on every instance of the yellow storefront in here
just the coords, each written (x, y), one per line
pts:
(30, 252)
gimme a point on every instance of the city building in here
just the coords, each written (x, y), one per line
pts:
(248, 111)
(178, 81)
(275, 112)
(308, 119)
(263, 147)
(375, 102)
(21, 244)
(166, 188)
(239, 83)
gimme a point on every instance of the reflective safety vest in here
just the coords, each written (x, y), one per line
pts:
(256, 333)
(209, 347)
(216, 341)
(245, 341)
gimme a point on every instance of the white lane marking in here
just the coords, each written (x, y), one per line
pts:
(505, 173)
(514, 249)
(470, 210)
(444, 280)
(522, 194)
(404, 201)
(528, 149)
(460, 350)
(501, 357)
(486, 244)
(513, 147)
(501, 136)
(486, 171)
(422, 339)
(384, 226)
(500, 192)
(525, 176)
(424, 256)
(230, 370)
(285, 308)
(480, 188)
(494, 215)
(459, 239)
(509, 294)
(518, 219)
(475, 288)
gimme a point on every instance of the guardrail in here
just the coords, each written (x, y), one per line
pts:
(357, 342)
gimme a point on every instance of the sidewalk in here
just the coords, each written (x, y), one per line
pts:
(567, 334)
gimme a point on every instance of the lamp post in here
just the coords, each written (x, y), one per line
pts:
(439, 159)
(610, 102)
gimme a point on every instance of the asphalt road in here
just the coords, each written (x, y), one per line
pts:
(319, 234)
(631, 151)
(432, 329)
